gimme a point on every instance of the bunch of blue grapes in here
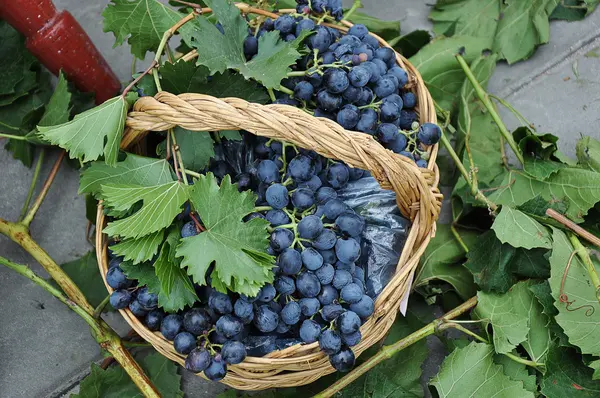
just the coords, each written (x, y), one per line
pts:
(350, 79)
(319, 288)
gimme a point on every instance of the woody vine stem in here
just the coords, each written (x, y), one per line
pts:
(70, 295)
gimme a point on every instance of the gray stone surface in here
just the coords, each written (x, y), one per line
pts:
(45, 348)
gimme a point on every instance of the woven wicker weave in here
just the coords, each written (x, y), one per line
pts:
(416, 194)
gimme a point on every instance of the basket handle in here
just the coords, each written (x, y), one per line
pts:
(416, 191)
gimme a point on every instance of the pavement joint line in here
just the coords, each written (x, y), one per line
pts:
(558, 61)
(74, 380)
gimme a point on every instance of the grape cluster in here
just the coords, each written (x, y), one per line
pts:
(319, 288)
(350, 79)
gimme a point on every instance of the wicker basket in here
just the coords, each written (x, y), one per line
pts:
(416, 191)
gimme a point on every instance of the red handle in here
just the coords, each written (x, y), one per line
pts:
(59, 42)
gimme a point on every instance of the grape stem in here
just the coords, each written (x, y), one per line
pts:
(100, 307)
(389, 351)
(485, 99)
(103, 334)
(355, 6)
(42, 195)
(584, 256)
(36, 174)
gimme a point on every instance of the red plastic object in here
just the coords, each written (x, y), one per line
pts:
(59, 42)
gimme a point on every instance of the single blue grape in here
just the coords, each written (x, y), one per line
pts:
(310, 227)
(310, 331)
(197, 360)
(429, 134)
(341, 279)
(385, 54)
(347, 250)
(147, 299)
(284, 285)
(328, 102)
(268, 172)
(400, 74)
(351, 293)
(338, 175)
(351, 339)
(359, 76)
(368, 121)
(189, 229)
(409, 99)
(334, 208)
(328, 295)
(303, 198)
(352, 40)
(277, 218)
(184, 342)
(395, 98)
(301, 168)
(120, 299)
(290, 261)
(330, 312)
(325, 274)
(282, 328)
(348, 117)
(281, 239)
(116, 278)
(321, 40)
(285, 24)
(358, 30)
(290, 313)
(217, 369)
(197, 321)
(341, 49)
(343, 361)
(154, 319)
(384, 87)
(325, 194)
(366, 97)
(374, 69)
(313, 184)
(389, 111)
(308, 285)
(348, 322)
(387, 132)
(329, 256)
(229, 326)
(352, 94)
(309, 306)
(243, 310)
(398, 144)
(233, 352)
(250, 46)
(277, 196)
(265, 319)
(304, 24)
(363, 308)
(340, 265)
(422, 163)
(350, 224)
(370, 41)
(137, 309)
(266, 293)
(330, 342)
(220, 302)
(311, 259)
(171, 326)
(325, 241)
(304, 91)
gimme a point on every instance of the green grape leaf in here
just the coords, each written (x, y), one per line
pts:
(196, 148)
(583, 324)
(537, 206)
(114, 381)
(442, 74)
(187, 77)
(219, 52)
(182, 292)
(441, 261)
(470, 372)
(596, 366)
(567, 376)
(588, 153)
(160, 206)
(141, 249)
(84, 136)
(58, 108)
(167, 266)
(133, 169)
(237, 248)
(517, 371)
(519, 230)
(85, 273)
(412, 42)
(15, 63)
(490, 262)
(541, 169)
(531, 263)
(579, 189)
(543, 294)
(524, 25)
(142, 23)
(510, 327)
(231, 135)
(574, 10)
(477, 18)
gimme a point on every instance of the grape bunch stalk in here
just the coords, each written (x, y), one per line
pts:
(350, 79)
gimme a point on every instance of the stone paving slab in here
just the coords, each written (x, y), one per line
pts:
(45, 351)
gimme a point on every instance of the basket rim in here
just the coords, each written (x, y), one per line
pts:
(311, 365)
